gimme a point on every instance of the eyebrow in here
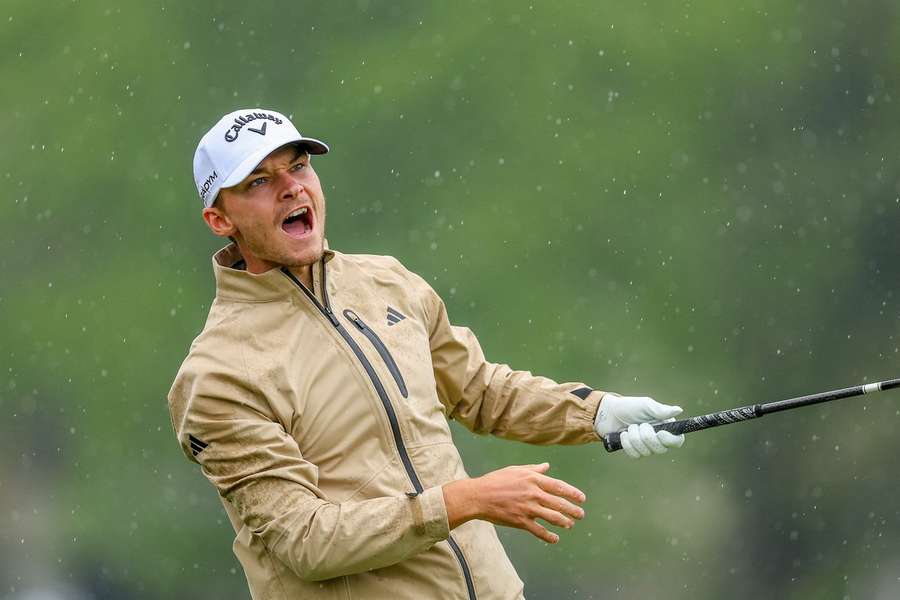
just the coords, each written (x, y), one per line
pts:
(300, 153)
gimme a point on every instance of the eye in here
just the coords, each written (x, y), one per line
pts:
(298, 166)
(257, 182)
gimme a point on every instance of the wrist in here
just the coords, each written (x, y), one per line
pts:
(605, 421)
(461, 500)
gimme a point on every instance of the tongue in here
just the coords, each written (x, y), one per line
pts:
(295, 228)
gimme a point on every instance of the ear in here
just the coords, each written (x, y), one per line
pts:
(218, 222)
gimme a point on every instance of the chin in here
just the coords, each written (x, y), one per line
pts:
(307, 256)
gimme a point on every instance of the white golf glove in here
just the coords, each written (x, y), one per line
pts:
(636, 414)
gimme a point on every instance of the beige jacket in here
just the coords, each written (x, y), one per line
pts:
(320, 416)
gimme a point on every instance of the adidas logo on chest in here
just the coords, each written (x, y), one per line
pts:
(394, 316)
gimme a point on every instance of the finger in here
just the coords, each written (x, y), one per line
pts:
(661, 412)
(634, 434)
(560, 488)
(539, 531)
(648, 436)
(561, 505)
(670, 440)
(625, 440)
(553, 517)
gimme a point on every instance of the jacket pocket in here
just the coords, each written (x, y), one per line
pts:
(381, 348)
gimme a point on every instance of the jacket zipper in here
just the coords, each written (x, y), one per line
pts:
(382, 350)
(386, 403)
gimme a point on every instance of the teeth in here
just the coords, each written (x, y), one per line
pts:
(297, 213)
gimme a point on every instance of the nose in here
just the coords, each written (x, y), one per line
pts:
(289, 186)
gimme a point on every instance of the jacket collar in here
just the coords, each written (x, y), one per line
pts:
(234, 282)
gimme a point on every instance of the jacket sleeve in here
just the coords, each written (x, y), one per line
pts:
(225, 426)
(492, 398)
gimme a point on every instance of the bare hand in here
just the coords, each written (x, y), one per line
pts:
(515, 496)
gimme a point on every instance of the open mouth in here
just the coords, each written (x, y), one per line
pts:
(298, 223)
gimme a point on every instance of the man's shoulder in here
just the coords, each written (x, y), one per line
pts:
(387, 270)
(376, 262)
(217, 344)
(383, 260)
(224, 319)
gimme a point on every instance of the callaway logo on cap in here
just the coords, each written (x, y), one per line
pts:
(238, 143)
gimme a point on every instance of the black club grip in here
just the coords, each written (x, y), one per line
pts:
(613, 441)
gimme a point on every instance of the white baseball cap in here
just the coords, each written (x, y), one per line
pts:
(238, 143)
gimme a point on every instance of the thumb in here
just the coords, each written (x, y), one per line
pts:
(669, 440)
(541, 468)
(661, 412)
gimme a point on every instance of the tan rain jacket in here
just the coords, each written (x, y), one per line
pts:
(320, 416)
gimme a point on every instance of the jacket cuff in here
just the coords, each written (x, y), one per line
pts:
(430, 514)
(589, 415)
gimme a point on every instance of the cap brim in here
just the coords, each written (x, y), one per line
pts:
(312, 145)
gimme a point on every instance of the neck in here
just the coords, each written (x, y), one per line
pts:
(257, 266)
(304, 274)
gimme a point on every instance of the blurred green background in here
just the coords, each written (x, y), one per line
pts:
(695, 201)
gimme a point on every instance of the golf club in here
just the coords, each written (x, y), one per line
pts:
(613, 441)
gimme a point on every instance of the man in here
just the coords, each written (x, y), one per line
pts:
(316, 400)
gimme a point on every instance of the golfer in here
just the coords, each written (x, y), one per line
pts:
(316, 400)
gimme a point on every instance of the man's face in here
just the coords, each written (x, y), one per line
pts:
(276, 214)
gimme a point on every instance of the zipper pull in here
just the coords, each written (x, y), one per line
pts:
(354, 318)
(331, 317)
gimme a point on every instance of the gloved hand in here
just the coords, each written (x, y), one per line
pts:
(636, 413)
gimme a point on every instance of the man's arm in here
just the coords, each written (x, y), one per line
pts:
(492, 398)
(257, 466)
